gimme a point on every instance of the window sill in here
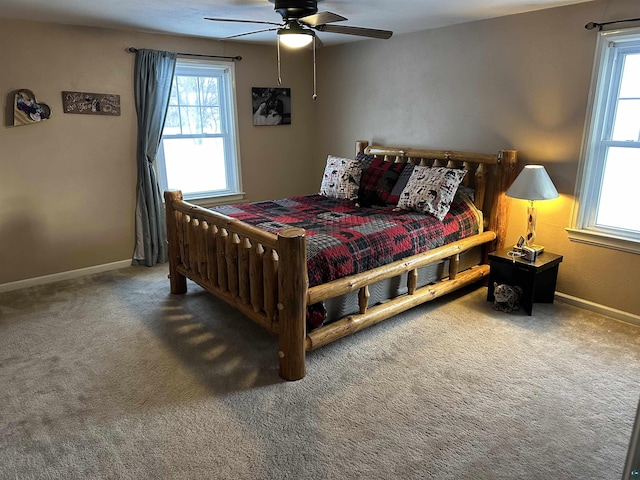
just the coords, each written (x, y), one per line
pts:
(602, 240)
(208, 202)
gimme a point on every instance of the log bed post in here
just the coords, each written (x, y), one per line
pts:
(177, 281)
(499, 218)
(360, 146)
(293, 284)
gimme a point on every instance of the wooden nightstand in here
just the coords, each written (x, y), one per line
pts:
(537, 279)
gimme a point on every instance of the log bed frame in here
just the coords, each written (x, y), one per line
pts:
(264, 275)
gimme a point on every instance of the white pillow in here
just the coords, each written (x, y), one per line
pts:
(341, 178)
(431, 190)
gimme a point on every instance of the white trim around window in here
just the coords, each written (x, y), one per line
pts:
(609, 165)
(199, 152)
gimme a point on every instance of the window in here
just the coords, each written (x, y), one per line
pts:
(605, 212)
(198, 153)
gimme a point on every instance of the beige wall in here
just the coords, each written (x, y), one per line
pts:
(514, 82)
(67, 184)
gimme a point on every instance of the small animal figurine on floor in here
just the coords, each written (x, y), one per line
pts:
(506, 297)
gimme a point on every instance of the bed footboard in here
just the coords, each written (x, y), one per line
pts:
(261, 274)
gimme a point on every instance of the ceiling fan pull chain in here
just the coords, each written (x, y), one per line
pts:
(315, 83)
(278, 48)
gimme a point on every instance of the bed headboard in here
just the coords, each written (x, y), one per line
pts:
(489, 175)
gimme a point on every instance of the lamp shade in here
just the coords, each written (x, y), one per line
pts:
(532, 183)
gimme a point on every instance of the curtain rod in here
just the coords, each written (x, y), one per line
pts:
(237, 57)
(592, 25)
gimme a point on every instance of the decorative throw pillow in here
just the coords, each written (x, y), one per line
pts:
(394, 196)
(431, 190)
(365, 160)
(377, 181)
(341, 178)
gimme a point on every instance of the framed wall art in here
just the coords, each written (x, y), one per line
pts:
(91, 103)
(26, 109)
(271, 106)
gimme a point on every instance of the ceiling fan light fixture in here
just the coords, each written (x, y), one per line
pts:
(296, 40)
(295, 36)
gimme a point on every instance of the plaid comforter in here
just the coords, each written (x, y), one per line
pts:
(344, 239)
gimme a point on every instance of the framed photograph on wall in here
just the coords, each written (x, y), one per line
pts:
(271, 106)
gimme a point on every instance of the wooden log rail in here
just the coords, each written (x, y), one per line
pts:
(346, 285)
(415, 296)
(376, 314)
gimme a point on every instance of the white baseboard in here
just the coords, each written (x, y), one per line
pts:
(56, 277)
(597, 308)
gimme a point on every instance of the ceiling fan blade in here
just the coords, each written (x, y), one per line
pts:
(321, 18)
(242, 21)
(362, 32)
(251, 33)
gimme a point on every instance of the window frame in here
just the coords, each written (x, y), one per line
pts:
(225, 71)
(605, 84)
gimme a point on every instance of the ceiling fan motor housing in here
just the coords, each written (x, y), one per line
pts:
(289, 9)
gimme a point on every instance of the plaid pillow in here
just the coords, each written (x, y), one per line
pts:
(377, 181)
(365, 160)
(394, 196)
(431, 190)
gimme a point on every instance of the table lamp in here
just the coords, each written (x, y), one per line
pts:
(532, 183)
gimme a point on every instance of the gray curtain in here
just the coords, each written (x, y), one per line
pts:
(153, 75)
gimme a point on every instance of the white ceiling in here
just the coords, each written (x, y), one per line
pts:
(187, 18)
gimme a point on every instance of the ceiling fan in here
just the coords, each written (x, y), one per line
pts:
(299, 20)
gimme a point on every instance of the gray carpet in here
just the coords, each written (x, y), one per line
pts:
(111, 377)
